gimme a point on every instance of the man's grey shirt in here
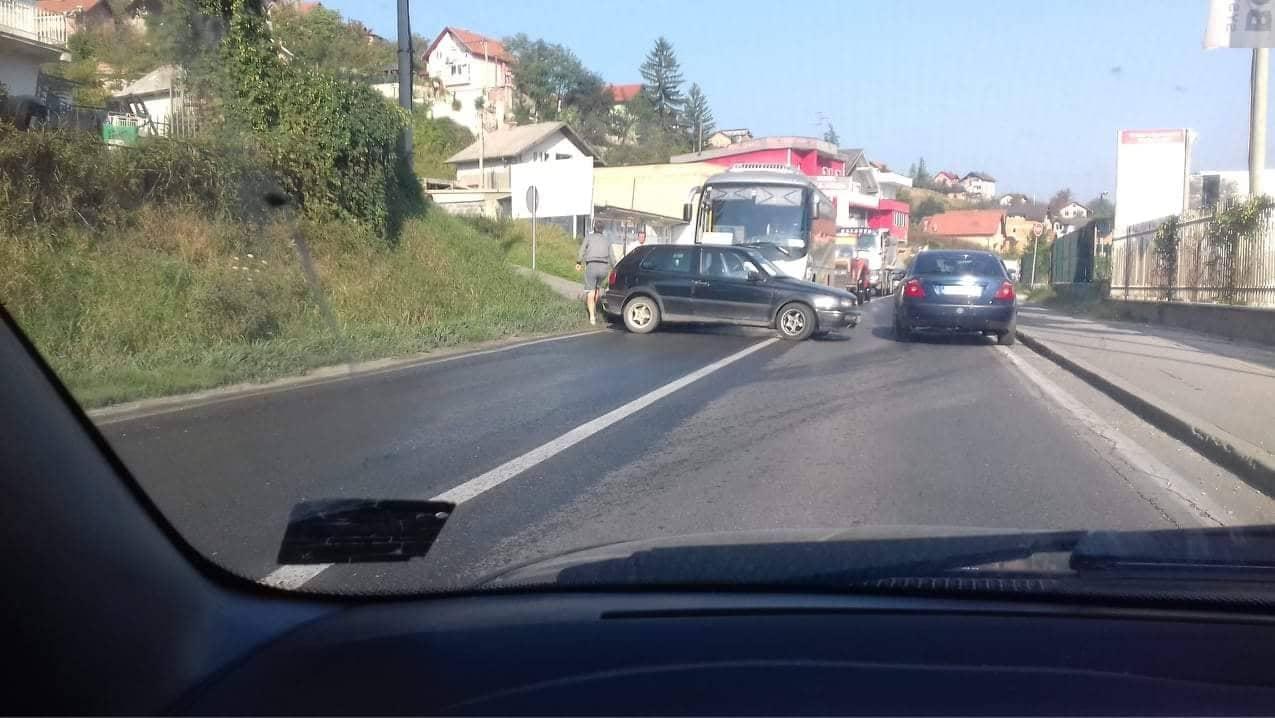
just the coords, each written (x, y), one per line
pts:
(594, 248)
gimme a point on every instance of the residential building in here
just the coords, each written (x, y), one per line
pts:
(623, 94)
(1073, 210)
(469, 67)
(1013, 198)
(485, 164)
(29, 37)
(1021, 229)
(982, 228)
(80, 14)
(724, 138)
(150, 100)
(946, 179)
(811, 156)
(979, 185)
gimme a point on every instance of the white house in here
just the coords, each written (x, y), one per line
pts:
(979, 185)
(470, 67)
(1073, 210)
(29, 37)
(151, 99)
(485, 164)
(1012, 199)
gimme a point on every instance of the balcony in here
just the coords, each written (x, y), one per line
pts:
(23, 19)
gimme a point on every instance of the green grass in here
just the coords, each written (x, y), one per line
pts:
(555, 249)
(178, 303)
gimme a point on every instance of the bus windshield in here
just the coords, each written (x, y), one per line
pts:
(772, 218)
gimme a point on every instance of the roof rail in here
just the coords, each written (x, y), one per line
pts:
(769, 166)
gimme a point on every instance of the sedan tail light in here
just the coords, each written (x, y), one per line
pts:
(914, 289)
(1005, 293)
(611, 280)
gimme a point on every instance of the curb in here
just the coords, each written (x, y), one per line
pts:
(1218, 446)
(315, 377)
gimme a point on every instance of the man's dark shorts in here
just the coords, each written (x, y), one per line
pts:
(595, 275)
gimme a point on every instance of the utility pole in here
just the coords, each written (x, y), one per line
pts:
(405, 71)
(482, 133)
(1257, 120)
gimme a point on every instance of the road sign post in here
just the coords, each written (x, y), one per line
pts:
(533, 201)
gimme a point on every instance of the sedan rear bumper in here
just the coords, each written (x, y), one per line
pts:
(957, 317)
(613, 302)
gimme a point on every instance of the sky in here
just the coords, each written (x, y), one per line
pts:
(1030, 91)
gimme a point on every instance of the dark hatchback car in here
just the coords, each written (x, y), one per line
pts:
(721, 284)
(956, 292)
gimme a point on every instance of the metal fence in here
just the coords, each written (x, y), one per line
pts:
(1200, 270)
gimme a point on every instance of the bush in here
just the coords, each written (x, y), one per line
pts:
(433, 141)
(55, 179)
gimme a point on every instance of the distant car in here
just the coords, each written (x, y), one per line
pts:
(721, 284)
(956, 292)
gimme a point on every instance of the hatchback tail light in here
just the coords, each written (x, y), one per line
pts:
(914, 289)
(1005, 293)
(611, 280)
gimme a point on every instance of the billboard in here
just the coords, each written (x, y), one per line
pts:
(1151, 175)
(565, 187)
(1240, 23)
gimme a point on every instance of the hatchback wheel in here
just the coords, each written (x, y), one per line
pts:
(641, 315)
(795, 322)
(902, 333)
(1005, 339)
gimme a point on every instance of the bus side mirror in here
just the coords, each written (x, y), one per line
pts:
(686, 212)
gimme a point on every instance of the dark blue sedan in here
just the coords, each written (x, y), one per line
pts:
(956, 292)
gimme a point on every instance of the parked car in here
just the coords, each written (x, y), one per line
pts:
(721, 284)
(956, 292)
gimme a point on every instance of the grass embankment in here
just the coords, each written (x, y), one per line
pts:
(555, 249)
(177, 302)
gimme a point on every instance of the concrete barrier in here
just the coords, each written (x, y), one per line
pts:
(1243, 323)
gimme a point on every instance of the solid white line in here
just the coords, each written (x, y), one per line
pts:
(292, 577)
(1181, 490)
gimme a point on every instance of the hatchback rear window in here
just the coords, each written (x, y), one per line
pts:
(979, 264)
(669, 260)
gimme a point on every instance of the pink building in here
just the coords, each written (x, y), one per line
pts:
(813, 157)
(891, 214)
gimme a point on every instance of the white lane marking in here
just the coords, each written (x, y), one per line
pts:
(1160, 477)
(293, 577)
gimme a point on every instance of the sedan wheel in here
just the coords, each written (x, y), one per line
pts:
(641, 315)
(796, 322)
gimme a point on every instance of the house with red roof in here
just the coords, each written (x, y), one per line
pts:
(80, 14)
(981, 228)
(469, 67)
(623, 94)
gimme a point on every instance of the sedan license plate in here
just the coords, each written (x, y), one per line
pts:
(960, 290)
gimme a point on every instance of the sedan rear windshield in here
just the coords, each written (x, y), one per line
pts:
(943, 264)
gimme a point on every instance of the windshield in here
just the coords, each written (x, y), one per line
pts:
(957, 264)
(771, 216)
(492, 289)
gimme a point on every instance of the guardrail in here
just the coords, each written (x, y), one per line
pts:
(1198, 269)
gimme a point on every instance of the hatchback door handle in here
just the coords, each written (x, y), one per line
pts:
(700, 283)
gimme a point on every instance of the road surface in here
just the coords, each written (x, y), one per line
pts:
(611, 436)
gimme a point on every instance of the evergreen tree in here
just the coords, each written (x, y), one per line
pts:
(831, 135)
(662, 76)
(698, 116)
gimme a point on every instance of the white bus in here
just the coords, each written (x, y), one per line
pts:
(776, 210)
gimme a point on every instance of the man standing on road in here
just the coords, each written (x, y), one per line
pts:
(594, 258)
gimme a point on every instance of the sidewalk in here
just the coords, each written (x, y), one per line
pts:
(565, 287)
(1215, 394)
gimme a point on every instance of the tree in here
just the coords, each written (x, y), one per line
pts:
(649, 140)
(323, 40)
(1061, 199)
(557, 86)
(698, 117)
(830, 135)
(663, 82)
(921, 176)
(928, 207)
(912, 170)
(1101, 208)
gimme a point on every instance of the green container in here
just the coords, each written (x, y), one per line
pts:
(119, 134)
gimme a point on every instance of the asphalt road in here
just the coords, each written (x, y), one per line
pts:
(854, 430)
